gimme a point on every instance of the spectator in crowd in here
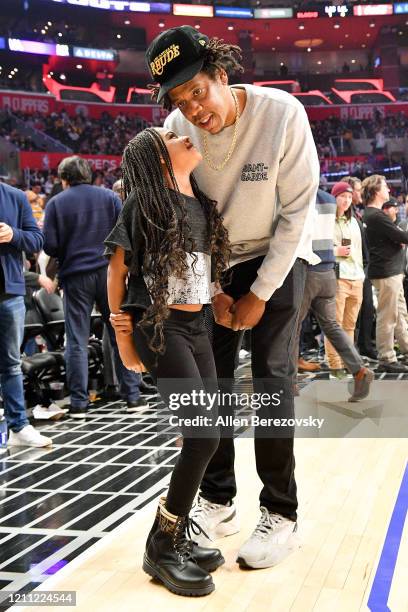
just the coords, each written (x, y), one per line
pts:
(349, 267)
(402, 208)
(404, 174)
(76, 223)
(320, 297)
(366, 317)
(385, 270)
(36, 201)
(18, 233)
(404, 226)
(356, 201)
(379, 142)
(117, 188)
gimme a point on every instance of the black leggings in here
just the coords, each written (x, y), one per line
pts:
(188, 355)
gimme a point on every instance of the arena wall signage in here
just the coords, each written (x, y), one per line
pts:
(400, 8)
(41, 48)
(235, 13)
(336, 11)
(307, 15)
(43, 103)
(106, 55)
(370, 10)
(50, 161)
(327, 10)
(191, 10)
(273, 13)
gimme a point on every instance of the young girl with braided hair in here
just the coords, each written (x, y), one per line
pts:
(167, 244)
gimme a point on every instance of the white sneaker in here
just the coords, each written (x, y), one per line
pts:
(28, 436)
(216, 520)
(273, 539)
(55, 406)
(53, 412)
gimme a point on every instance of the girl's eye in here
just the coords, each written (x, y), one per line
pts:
(197, 92)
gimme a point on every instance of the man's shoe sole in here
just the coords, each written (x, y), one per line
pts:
(48, 445)
(369, 379)
(154, 572)
(265, 563)
(130, 409)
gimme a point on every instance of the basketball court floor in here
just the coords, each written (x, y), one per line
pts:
(75, 518)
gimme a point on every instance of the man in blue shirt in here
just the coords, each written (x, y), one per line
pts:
(77, 221)
(18, 232)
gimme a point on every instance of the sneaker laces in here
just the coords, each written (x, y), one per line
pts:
(194, 529)
(204, 507)
(267, 523)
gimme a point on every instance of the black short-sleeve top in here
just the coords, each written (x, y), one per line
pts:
(195, 286)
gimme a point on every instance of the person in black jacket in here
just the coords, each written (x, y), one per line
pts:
(385, 270)
(77, 220)
(19, 233)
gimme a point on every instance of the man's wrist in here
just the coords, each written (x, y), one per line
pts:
(258, 299)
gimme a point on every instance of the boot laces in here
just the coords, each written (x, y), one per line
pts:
(267, 523)
(182, 545)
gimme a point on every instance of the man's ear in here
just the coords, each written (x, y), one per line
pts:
(223, 76)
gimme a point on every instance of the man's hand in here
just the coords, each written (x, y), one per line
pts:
(122, 323)
(221, 304)
(47, 283)
(247, 312)
(6, 233)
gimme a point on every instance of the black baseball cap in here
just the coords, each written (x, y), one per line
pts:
(392, 202)
(176, 56)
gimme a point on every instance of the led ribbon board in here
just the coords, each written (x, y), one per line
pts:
(120, 5)
(370, 10)
(273, 13)
(231, 12)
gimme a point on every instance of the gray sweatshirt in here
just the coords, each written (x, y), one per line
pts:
(267, 190)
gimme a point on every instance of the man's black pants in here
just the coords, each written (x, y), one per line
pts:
(273, 358)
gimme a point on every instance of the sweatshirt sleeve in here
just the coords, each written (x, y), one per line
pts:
(391, 230)
(297, 184)
(29, 237)
(50, 231)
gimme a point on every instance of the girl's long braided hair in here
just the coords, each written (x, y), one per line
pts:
(165, 235)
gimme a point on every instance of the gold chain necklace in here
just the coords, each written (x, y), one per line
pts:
(208, 159)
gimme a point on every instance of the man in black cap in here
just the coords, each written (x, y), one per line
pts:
(261, 166)
(385, 270)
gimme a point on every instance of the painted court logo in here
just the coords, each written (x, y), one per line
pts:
(165, 57)
(255, 172)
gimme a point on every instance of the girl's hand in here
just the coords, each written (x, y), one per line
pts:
(343, 251)
(130, 358)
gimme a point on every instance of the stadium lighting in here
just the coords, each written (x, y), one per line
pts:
(62, 77)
